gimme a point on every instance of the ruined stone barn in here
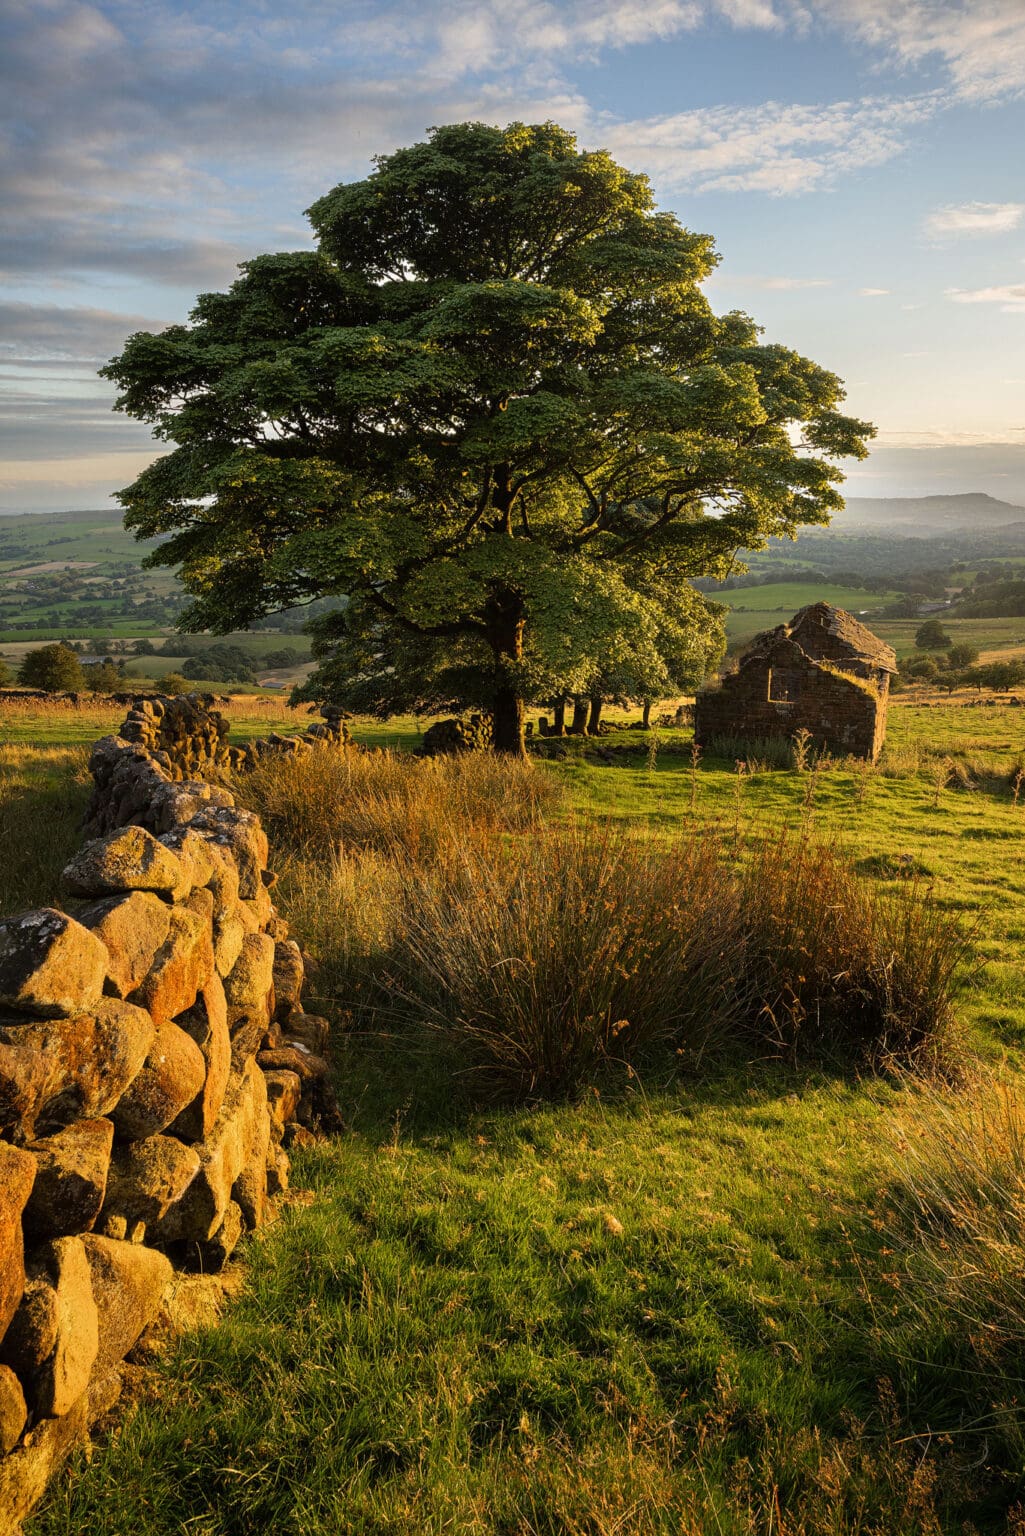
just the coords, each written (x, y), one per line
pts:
(824, 672)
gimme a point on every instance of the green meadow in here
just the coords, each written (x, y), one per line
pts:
(689, 1300)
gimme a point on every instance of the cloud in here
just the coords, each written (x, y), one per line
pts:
(872, 293)
(777, 148)
(31, 334)
(980, 43)
(1010, 296)
(974, 219)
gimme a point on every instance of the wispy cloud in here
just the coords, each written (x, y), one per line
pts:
(777, 148)
(974, 219)
(1010, 296)
(980, 43)
(873, 293)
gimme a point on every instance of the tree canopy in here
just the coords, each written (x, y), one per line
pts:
(494, 409)
(52, 668)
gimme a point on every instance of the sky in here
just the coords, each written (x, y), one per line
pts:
(860, 163)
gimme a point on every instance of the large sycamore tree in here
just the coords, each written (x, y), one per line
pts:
(493, 409)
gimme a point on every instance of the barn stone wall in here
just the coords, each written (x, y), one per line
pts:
(841, 714)
(156, 1064)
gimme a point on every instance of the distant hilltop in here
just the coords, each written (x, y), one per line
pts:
(920, 514)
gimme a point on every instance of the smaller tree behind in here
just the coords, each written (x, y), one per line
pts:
(6, 675)
(52, 668)
(931, 636)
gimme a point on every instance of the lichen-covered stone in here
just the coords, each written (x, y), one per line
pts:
(56, 1071)
(71, 1179)
(181, 969)
(292, 1058)
(17, 1175)
(171, 1076)
(206, 1022)
(194, 855)
(289, 973)
(53, 1340)
(223, 1156)
(213, 1253)
(284, 1090)
(50, 965)
(13, 1410)
(130, 859)
(146, 1178)
(249, 989)
(128, 1283)
(133, 928)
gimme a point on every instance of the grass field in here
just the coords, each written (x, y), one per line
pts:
(753, 609)
(689, 1303)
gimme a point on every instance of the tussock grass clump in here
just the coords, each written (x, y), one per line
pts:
(768, 752)
(392, 802)
(552, 957)
(571, 949)
(833, 959)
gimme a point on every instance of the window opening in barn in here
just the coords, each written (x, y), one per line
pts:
(784, 685)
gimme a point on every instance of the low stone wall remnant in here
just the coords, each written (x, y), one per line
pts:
(156, 1065)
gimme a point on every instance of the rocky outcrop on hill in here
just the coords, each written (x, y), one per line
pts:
(155, 1065)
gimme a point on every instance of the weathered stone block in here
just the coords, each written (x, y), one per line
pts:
(211, 1255)
(130, 859)
(50, 965)
(25, 1473)
(17, 1175)
(249, 988)
(289, 973)
(307, 1030)
(56, 1071)
(240, 833)
(133, 928)
(182, 967)
(171, 1077)
(194, 855)
(290, 1058)
(284, 1090)
(146, 1178)
(225, 1153)
(13, 1410)
(207, 1024)
(128, 1283)
(53, 1340)
(71, 1179)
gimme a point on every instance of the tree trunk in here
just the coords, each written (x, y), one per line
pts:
(505, 621)
(594, 718)
(559, 717)
(646, 715)
(578, 725)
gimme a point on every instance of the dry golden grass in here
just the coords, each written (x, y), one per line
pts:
(43, 795)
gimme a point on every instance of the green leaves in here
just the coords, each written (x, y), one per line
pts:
(497, 386)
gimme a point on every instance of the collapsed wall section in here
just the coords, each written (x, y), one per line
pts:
(156, 1064)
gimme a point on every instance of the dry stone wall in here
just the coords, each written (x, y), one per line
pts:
(156, 1064)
